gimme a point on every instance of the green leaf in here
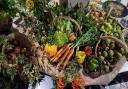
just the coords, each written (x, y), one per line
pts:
(2, 39)
(8, 46)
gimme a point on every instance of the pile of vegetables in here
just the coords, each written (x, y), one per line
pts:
(98, 16)
(65, 54)
(68, 44)
(112, 28)
(109, 53)
(17, 60)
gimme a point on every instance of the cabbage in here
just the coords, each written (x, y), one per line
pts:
(60, 38)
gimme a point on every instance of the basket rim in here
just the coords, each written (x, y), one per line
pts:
(79, 29)
(113, 38)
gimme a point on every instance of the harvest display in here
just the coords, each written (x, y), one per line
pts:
(65, 41)
(16, 57)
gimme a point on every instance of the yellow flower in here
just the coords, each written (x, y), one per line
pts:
(12, 65)
(30, 3)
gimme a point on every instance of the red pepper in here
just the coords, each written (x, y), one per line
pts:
(88, 51)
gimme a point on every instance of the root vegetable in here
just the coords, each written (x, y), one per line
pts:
(60, 53)
(68, 57)
(63, 57)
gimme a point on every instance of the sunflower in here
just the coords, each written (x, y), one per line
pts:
(30, 3)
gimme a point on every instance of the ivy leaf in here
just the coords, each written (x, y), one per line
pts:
(2, 39)
(8, 46)
(21, 59)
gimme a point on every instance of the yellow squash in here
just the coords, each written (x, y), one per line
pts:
(51, 50)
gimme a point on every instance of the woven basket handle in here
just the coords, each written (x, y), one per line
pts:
(68, 18)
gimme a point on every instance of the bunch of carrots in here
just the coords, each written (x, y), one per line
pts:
(63, 56)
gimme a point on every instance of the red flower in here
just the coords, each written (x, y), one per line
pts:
(78, 82)
(88, 51)
(75, 83)
(60, 84)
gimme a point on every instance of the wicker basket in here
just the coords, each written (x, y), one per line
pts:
(23, 42)
(45, 63)
(108, 77)
(113, 38)
(78, 28)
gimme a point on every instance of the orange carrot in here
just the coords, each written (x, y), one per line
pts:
(60, 54)
(68, 57)
(63, 57)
